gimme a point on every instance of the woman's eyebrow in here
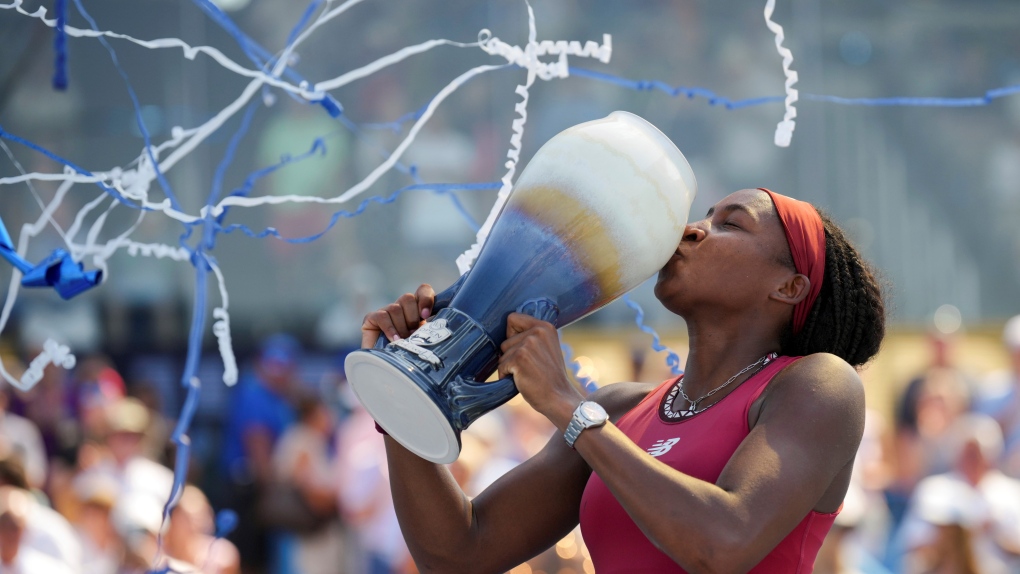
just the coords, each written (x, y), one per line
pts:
(732, 207)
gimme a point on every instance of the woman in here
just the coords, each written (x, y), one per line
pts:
(740, 465)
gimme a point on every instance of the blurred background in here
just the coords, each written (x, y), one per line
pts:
(930, 195)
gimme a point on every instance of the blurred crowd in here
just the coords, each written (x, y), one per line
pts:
(936, 489)
(298, 480)
(296, 484)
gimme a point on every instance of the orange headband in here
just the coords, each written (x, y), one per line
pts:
(805, 233)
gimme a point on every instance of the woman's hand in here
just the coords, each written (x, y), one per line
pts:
(398, 320)
(532, 356)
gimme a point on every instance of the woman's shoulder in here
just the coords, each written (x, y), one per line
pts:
(618, 398)
(821, 368)
(823, 379)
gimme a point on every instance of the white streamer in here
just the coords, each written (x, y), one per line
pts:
(134, 181)
(526, 58)
(28, 231)
(354, 191)
(221, 328)
(53, 353)
(784, 130)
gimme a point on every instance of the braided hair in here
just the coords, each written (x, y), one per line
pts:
(848, 318)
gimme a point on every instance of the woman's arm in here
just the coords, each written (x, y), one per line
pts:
(808, 431)
(518, 516)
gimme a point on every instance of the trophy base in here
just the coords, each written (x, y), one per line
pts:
(402, 408)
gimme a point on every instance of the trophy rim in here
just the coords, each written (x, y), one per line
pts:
(376, 382)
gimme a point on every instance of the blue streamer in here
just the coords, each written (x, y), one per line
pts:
(260, 56)
(587, 383)
(318, 146)
(309, 12)
(412, 170)
(60, 46)
(717, 100)
(226, 522)
(167, 190)
(691, 93)
(922, 102)
(189, 380)
(672, 359)
(397, 125)
(80, 170)
(228, 156)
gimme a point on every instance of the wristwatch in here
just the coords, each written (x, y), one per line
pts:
(588, 414)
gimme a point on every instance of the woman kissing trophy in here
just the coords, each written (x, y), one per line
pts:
(599, 209)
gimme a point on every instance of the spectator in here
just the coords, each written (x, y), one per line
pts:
(102, 548)
(21, 439)
(1000, 398)
(122, 463)
(190, 539)
(156, 443)
(925, 415)
(970, 517)
(16, 555)
(259, 414)
(138, 518)
(49, 406)
(303, 462)
(43, 530)
(97, 386)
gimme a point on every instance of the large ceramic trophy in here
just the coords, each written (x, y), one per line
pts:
(600, 208)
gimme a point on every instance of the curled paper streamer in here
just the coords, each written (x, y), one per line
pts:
(672, 359)
(53, 353)
(527, 58)
(589, 385)
(784, 130)
(221, 328)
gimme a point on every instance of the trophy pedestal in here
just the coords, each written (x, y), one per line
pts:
(402, 407)
(424, 390)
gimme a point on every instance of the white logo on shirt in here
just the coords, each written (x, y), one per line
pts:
(661, 447)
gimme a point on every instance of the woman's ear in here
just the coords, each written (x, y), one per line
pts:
(793, 290)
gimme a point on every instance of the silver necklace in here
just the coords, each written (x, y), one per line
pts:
(692, 408)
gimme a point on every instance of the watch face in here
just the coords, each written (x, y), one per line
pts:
(593, 411)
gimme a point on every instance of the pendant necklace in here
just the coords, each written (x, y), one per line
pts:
(692, 408)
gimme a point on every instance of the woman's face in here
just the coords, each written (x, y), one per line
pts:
(732, 259)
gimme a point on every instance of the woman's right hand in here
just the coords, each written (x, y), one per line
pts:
(398, 320)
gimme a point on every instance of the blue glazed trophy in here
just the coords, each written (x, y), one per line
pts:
(600, 208)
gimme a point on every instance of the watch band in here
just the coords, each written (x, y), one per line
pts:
(580, 422)
(573, 431)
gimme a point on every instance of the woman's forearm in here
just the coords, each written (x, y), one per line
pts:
(692, 521)
(435, 515)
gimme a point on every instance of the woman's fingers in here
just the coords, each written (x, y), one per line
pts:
(507, 362)
(398, 320)
(517, 323)
(426, 297)
(396, 313)
(409, 305)
(375, 323)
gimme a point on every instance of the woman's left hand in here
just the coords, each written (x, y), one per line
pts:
(532, 356)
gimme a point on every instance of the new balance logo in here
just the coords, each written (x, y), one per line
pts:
(661, 447)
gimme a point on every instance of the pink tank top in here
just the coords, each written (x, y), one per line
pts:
(699, 446)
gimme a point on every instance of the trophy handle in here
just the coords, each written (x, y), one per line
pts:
(470, 399)
(444, 298)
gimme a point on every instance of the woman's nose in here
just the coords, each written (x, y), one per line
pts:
(693, 233)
